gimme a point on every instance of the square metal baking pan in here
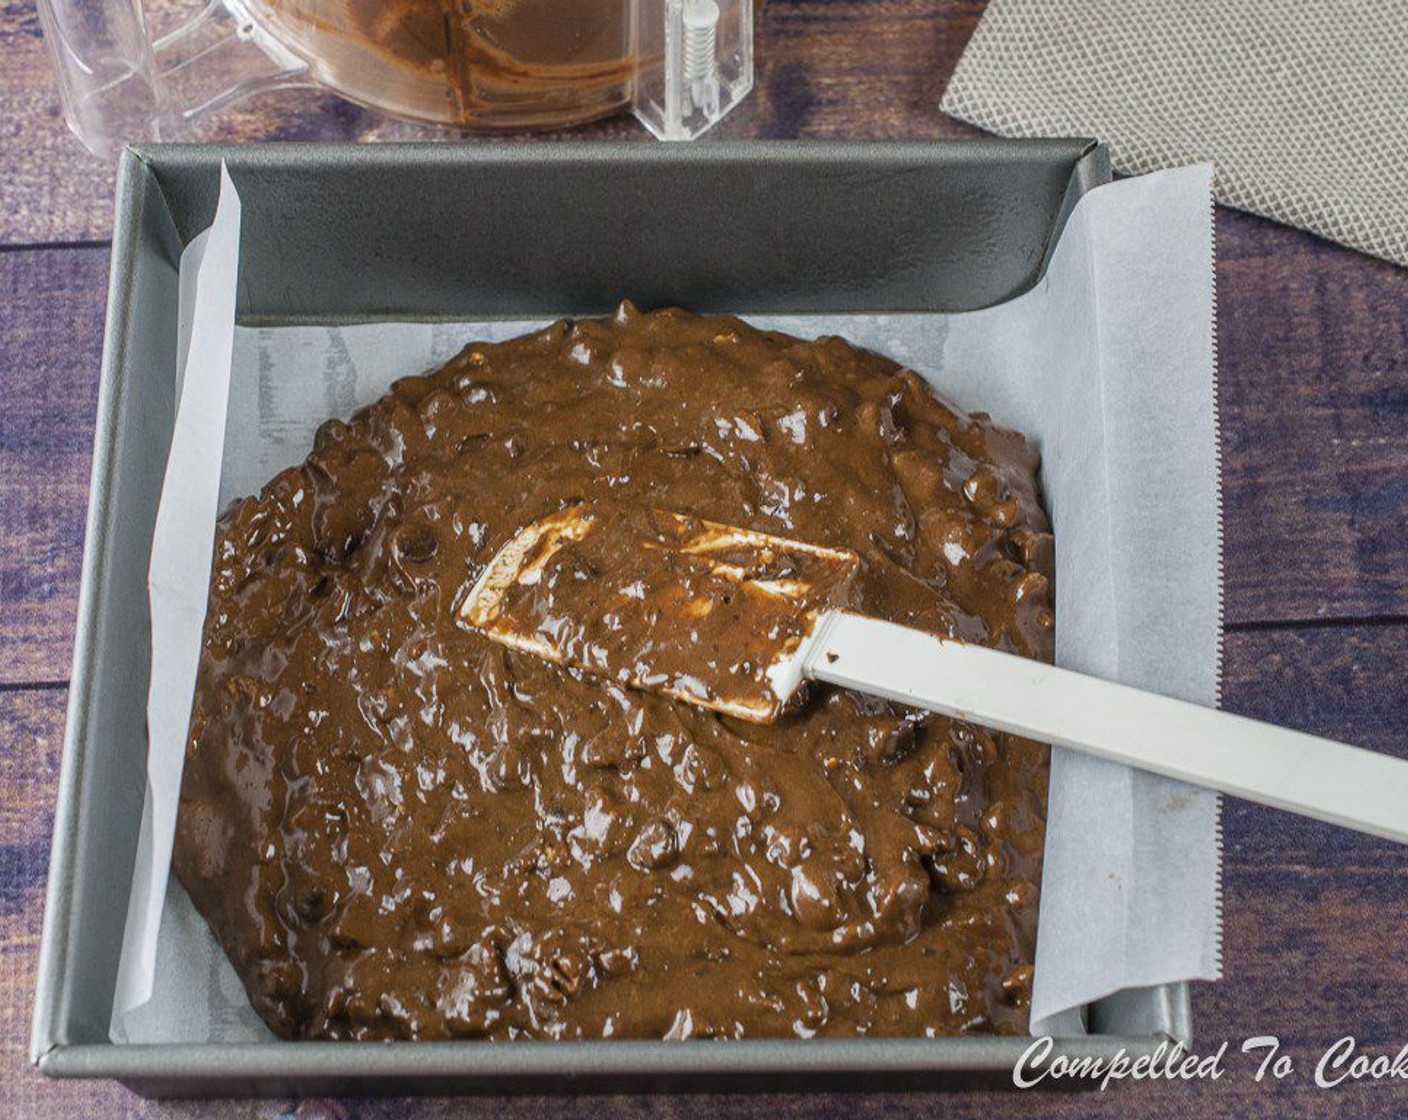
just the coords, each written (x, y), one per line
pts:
(347, 232)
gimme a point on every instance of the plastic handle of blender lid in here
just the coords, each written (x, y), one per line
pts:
(694, 63)
(119, 86)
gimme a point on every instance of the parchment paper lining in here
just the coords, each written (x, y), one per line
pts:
(1108, 364)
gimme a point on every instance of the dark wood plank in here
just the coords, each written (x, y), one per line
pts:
(1314, 391)
(1306, 903)
(53, 190)
(1307, 909)
(51, 334)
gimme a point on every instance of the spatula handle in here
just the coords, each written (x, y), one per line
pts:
(1275, 766)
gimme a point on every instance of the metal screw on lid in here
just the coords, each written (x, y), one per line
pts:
(701, 25)
(694, 62)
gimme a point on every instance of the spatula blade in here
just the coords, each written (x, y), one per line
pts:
(706, 613)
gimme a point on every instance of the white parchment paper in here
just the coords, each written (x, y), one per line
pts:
(1108, 363)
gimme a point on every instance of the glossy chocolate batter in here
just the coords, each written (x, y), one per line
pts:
(399, 829)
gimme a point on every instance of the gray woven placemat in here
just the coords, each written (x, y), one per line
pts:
(1301, 105)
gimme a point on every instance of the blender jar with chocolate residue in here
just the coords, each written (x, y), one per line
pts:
(134, 70)
(478, 63)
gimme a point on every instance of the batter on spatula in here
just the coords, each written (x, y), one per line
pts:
(398, 828)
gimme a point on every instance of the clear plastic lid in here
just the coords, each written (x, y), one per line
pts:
(131, 71)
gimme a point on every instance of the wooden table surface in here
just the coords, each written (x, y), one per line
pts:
(1314, 407)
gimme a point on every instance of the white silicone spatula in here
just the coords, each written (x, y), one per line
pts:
(736, 621)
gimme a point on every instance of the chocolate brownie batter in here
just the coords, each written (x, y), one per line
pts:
(399, 829)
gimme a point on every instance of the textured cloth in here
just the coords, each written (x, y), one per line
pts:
(1301, 105)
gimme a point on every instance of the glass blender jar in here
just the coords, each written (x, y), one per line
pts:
(152, 69)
